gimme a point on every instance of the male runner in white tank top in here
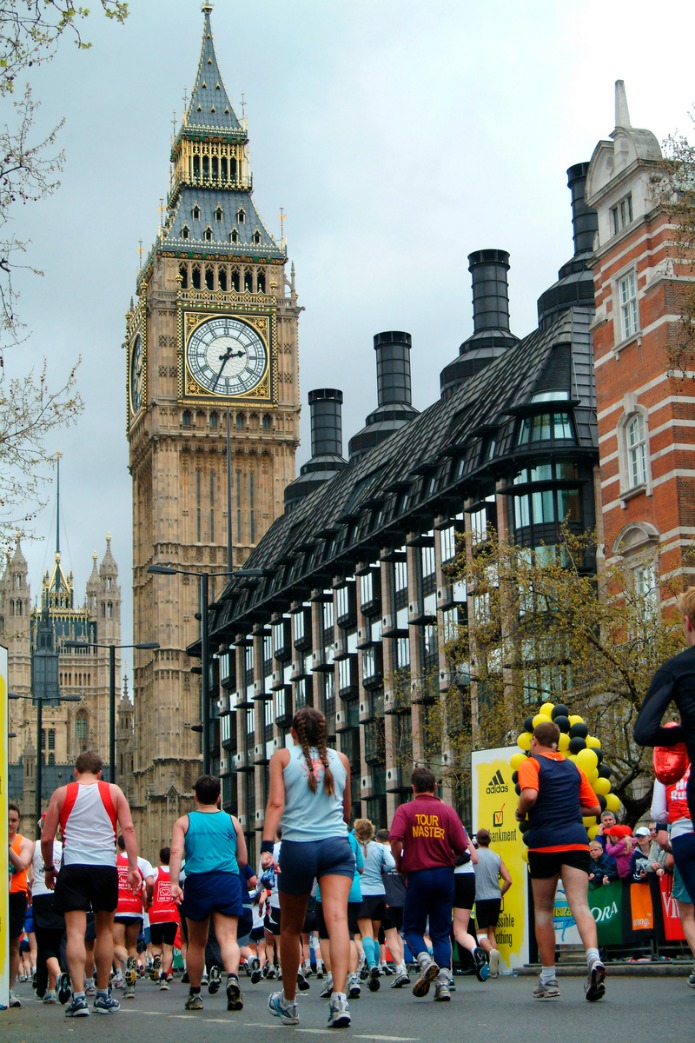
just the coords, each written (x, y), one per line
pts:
(88, 811)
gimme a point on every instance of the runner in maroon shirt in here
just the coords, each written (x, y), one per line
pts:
(426, 837)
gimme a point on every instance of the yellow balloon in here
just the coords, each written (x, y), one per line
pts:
(589, 821)
(602, 786)
(593, 743)
(524, 853)
(524, 741)
(587, 760)
(516, 760)
(593, 832)
(576, 719)
(612, 801)
(547, 709)
(563, 742)
(540, 718)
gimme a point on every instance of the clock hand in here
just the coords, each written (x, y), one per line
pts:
(229, 354)
(224, 359)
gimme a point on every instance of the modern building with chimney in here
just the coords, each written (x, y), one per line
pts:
(356, 601)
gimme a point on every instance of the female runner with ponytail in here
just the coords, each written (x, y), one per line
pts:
(309, 796)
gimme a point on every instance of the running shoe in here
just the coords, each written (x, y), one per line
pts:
(338, 1013)
(442, 993)
(194, 1001)
(77, 1008)
(302, 984)
(428, 972)
(63, 988)
(269, 971)
(327, 990)
(105, 1004)
(118, 981)
(156, 968)
(595, 988)
(546, 991)
(14, 999)
(373, 983)
(494, 963)
(131, 971)
(49, 996)
(400, 981)
(235, 1001)
(129, 992)
(90, 988)
(319, 971)
(387, 969)
(278, 972)
(452, 984)
(482, 967)
(287, 1013)
(691, 981)
(185, 980)
(163, 984)
(256, 976)
(354, 988)
(204, 979)
(214, 979)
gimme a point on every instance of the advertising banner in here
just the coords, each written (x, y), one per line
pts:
(494, 802)
(606, 904)
(4, 861)
(673, 928)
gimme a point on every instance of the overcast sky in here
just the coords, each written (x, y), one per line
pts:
(398, 135)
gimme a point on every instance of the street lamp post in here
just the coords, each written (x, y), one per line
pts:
(204, 578)
(39, 728)
(142, 645)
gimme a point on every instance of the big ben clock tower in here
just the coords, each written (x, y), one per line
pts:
(211, 343)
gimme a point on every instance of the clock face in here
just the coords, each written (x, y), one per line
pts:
(136, 374)
(226, 356)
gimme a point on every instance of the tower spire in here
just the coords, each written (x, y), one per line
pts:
(210, 107)
(622, 114)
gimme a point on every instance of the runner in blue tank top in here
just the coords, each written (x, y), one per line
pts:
(214, 848)
(310, 795)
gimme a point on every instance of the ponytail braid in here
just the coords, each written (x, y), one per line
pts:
(328, 782)
(299, 727)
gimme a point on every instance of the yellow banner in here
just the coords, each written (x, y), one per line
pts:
(4, 860)
(494, 804)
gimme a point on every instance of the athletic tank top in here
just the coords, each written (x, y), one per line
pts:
(308, 815)
(129, 903)
(163, 909)
(18, 877)
(210, 843)
(88, 822)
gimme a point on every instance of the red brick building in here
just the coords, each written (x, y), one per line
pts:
(646, 414)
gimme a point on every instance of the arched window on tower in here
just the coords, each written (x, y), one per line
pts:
(219, 213)
(81, 729)
(234, 236)
(232, 169)
(241, 215)
(248, 281)
(256, 237)
(185, 232)
(223, 169)
(633, 449)
(196, 277)
(209, 275)
(195, 213)
(208, 235)
(183, 273)
(196, 166)
(186, 418)
(267, 422)
(222, 279)
(215, 168)
(235, 279)
(260, 282)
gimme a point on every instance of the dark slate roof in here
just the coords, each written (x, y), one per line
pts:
(208, 200)
(356, 513)
(210, 108)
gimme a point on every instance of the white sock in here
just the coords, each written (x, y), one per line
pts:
(547, 974)
(592, 956)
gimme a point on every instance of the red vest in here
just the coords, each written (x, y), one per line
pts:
(676, 800)
(128, 902)
(163, 909)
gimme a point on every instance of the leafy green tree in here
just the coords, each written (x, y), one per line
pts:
(541, 627)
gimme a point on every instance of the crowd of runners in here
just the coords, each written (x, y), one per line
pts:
(329, 896)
